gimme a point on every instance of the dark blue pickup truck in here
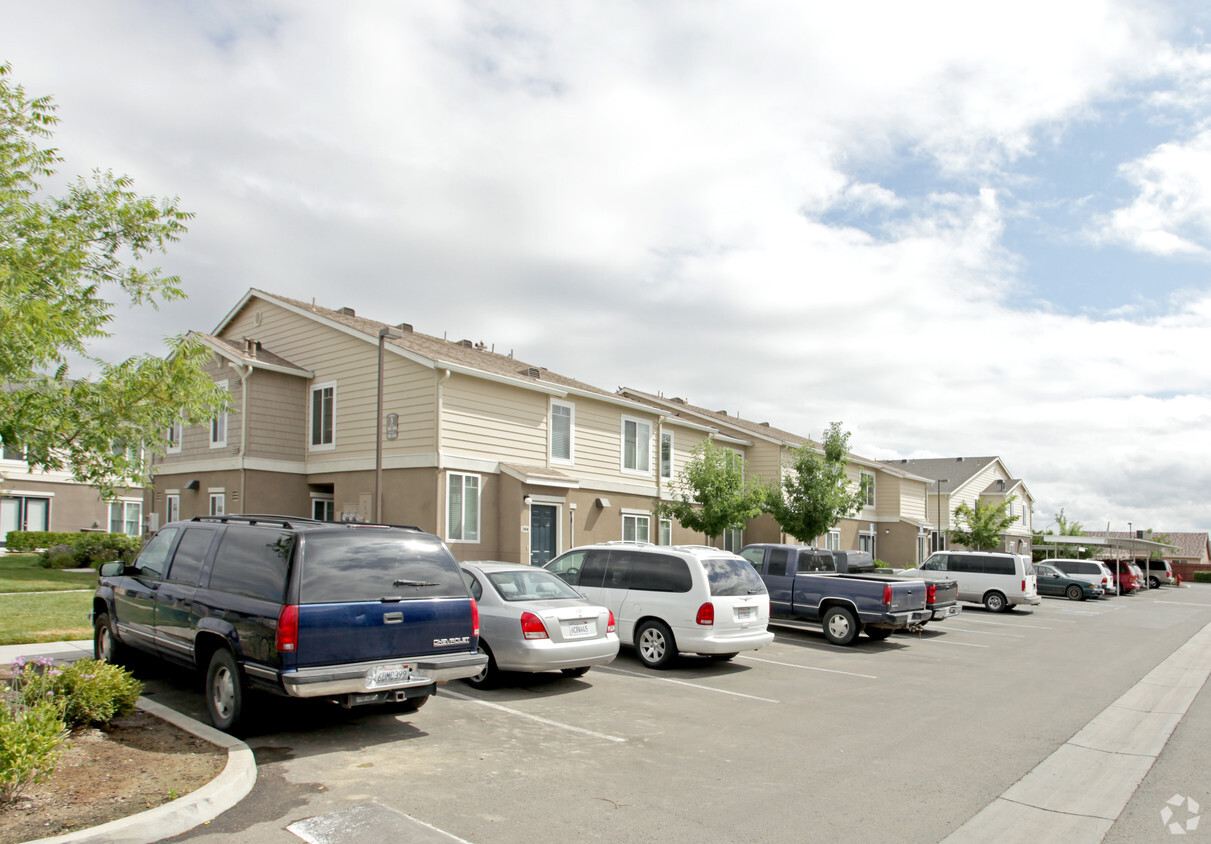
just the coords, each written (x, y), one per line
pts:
(357, 614)
(804, 585)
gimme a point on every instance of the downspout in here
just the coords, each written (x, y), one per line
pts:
(245, 372)
(442, 378)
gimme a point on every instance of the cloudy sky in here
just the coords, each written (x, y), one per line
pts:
(958, 228)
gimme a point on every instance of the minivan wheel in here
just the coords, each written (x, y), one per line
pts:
(995, 602)
(224, 691)
(1154, 583)
(1075, 593)
(655, 644)
(489, 674)
(840, 626)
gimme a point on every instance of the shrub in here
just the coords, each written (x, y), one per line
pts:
(58, 557)
(880, 564)
(88, 691)
(1202, 577)
(30, 739)
(77, 550)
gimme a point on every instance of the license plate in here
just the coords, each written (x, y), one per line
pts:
(388, 675)
(745, 613)
(577, 629)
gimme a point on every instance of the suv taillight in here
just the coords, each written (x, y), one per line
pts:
(611, 626)
(532, 627)
(706, 614)
(887, 594)
(287, 637)
(474, 618)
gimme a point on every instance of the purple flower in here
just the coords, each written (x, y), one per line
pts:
(18, 664)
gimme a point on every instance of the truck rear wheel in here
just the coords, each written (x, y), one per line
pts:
(840, 626)
(878, 633)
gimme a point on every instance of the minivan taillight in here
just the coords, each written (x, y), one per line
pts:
(287, 637)
(706, 614)
(532, 627)
(611, 626)
(887, 594)
(474, 618)
(931, 593)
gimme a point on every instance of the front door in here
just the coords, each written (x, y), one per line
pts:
(542, 533)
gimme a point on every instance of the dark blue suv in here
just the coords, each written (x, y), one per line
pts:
(355, 613)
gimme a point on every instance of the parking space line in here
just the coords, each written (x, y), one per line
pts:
(537, 718)
(983, 632)
(942, 641)
(807, 667)
(612, 670)
(1181, 604)
(1008, 624)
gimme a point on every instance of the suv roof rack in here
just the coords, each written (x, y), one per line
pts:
(257, 518)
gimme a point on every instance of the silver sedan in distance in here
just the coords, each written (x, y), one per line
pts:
(531, 620)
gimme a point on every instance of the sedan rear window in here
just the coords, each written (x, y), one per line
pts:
(357, 566)
(536, 585)
(730, 576)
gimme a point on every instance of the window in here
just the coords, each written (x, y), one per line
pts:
(18, 512)
(191, 553)
(866, 542)
(172, 507)
(778, 560)
(323, 509)
(657, 572)
(218, 504)
(636, 445)
(733, 459)
(462, 510)
(635, 528)
(153, 559)
(666, 531)
(11, 452)
(868, 482)
(563, 419)
(218, 426)
(175, 431)
(323, 416)
(733, 539)
(126, 517)
(832, 540)
(922, 547)
(253, 562)
(666, 454)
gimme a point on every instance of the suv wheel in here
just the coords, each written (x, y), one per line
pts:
(106, 646)
(655, 644)
(1154, 583)
(995, 602)
(224, 690)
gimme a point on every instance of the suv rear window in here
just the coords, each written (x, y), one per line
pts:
(253, 562)
(729, 577)
(365, 565)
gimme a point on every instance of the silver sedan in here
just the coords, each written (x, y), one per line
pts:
(531, 620)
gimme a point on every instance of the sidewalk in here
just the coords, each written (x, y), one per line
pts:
(232, 785)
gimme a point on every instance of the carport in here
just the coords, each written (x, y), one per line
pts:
(1117, 548)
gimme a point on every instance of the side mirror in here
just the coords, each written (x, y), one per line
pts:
(114, 569)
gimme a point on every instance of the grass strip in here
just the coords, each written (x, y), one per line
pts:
(45, 618)
(21, 573)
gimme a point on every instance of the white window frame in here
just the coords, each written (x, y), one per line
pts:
(666, 469)
(172, 507)
(175, 432)
(870, 488)
(733, 539)
(218, 425)
(871, 540)
(329, 501)
(571, 408)
(217, 503)
(126, 504)
(832, 540)
(312, 445)
(464, 536)
(646, 468)
(665, 532)
(635, 519)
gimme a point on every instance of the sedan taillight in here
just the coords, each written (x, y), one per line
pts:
(532, 627)
(611, 627)
(474, 618)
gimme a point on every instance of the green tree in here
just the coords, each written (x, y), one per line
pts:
(57, 253)
(815, 493)
(980, 527)
(710, 494)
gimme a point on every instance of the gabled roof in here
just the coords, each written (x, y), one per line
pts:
(1009, 488)
(255, 356)
(954, 471)
(464, 356)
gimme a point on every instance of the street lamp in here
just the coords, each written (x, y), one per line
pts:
(940, 482)
(387, 331)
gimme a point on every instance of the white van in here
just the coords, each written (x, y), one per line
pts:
(1091, 571)
(673, 599)
(997, 580)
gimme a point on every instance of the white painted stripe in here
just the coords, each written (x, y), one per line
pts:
(807, 667)
(942, 641)
(1181, 604)
(983, 632)
(537, 718)
(612, 670)
(1007, 624)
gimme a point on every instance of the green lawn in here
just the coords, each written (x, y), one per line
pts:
(61, 614)
(21, 573)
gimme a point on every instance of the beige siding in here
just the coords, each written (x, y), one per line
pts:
(277, 416)
(599, 442)
(489, 421)
(195, 441)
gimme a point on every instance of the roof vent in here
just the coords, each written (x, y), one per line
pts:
(677, 400)
(958, 460)
(764, 424)
(466, 343)
(405, 327)
(347, 312)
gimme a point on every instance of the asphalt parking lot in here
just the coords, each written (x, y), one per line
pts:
(903, 740)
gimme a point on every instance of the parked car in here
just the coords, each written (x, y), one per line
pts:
(998, 580)
(804, 585)
(1157, 572)
(1092, 572)
(1052, 581)
(359, 614)
(530, 620)
(672, 599)
(1125, 576)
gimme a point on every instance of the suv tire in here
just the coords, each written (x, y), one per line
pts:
(655, 644)
(224, 690)
(995, 602)
(106, 646)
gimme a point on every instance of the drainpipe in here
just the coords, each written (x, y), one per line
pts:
(245, 372)
(442, 378)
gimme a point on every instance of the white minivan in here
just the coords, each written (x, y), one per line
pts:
(998, 580)
(670, 599)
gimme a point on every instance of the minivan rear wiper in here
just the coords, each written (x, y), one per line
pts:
(417, 583)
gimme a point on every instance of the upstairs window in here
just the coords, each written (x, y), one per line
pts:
(323, 416)
(666, 454)
(868, 481)
(174, 434)
(218, 425)
(11, 452)
(636, 445)
(563, 419)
